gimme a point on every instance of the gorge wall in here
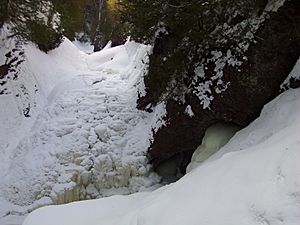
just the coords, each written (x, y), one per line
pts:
(266, 63)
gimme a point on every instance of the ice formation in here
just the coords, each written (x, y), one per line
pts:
(82, 136)
(215, 137)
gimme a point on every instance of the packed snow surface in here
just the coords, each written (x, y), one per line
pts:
(253, 179)
(70, 129)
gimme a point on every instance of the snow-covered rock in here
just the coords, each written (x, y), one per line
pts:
(253, 179)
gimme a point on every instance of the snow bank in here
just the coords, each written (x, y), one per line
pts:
(254, 179)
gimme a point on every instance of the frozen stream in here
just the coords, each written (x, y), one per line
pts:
(89, 141)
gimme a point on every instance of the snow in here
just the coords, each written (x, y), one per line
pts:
(161, 29)
(252, 180)
(85, 47)
(204, 89)
(83, 136)
(189, 111)
(274, 5)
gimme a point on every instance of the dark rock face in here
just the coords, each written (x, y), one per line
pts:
(4, 69)
(270, 60)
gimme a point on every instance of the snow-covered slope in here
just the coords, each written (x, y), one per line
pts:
(82, 136)
(254, 179)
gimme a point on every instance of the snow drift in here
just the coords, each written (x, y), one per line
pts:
(254, 179)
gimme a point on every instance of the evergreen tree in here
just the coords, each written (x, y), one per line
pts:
(72, 16)
(36, 21)
(141, 17)
(109, 26)
(184, 32)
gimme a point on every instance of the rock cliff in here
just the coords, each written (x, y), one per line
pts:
(231, 89)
